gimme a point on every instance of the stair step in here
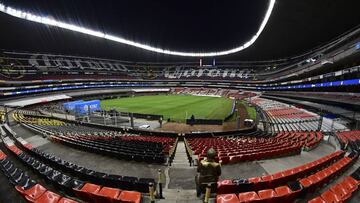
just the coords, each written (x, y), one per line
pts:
(180, 160)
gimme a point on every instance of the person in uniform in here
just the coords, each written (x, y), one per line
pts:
(208, 171)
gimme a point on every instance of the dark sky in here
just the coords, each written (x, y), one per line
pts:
(184, 25)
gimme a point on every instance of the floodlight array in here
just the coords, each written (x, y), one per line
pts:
(51, 22)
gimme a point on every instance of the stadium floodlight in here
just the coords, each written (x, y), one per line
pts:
(51, 22)
(2, 7)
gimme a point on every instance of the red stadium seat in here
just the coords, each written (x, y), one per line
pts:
(267, 178)
(226, 187)
(129, 197)
(237, 158)
(248, 197)
(255, 179)
(28, 146)
(32, 193)
(48, 197)
(66, 200)
(305, 182)
(14, 149)
(317, 200)
(259, 184)
(224, 159)
(87, 191)
(227, 198)
(328, 196)
(2, 155)
(269, 196)
(340, 191)
(285, 194)
(350, 184)
(315, 181)
(106, 195)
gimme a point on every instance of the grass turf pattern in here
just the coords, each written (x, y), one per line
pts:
(175, 107)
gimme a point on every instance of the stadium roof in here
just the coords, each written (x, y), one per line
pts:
(188, 26)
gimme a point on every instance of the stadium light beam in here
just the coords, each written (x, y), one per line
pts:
(51, 22)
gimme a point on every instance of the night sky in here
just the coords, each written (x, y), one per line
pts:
(295, 26)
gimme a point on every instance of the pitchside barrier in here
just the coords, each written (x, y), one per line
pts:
(243, 132)
(147, 116)
(204, 122)
(232, 111)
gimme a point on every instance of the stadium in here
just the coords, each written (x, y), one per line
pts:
(179, 101)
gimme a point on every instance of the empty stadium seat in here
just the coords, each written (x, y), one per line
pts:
(285, 194)
(106, 195)
(226, 187)
(48, 197)
(129, 197)
(317, 200)
(86, 192)
(268, 196)
(32, 193)
(328, 196)
(227, 198)
(249, 197)
(66, 200)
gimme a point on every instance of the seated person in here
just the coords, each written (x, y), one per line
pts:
(208, 172)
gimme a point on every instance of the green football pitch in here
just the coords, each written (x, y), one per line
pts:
(175, 107)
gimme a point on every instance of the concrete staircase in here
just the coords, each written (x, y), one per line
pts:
(180, 159)
(180, 196)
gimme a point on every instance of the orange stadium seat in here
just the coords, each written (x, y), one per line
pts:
(129, 197)
(32, 193)
(106, 195)
(87, 191)
(48, 197)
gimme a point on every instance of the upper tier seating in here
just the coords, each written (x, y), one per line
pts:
(231, 150)
(284, 117)
(343, 97)
(212, 92)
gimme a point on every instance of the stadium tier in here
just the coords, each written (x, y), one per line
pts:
(247, 149)
(351, 138)
(175, 104)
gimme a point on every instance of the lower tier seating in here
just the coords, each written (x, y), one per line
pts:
(70, 185)
(276, 179)
(340, 192)
(351, 138)
(26, 186)
(150, 149)
(291, 191)
(123, 148)
(232, 150)
(108, 180)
